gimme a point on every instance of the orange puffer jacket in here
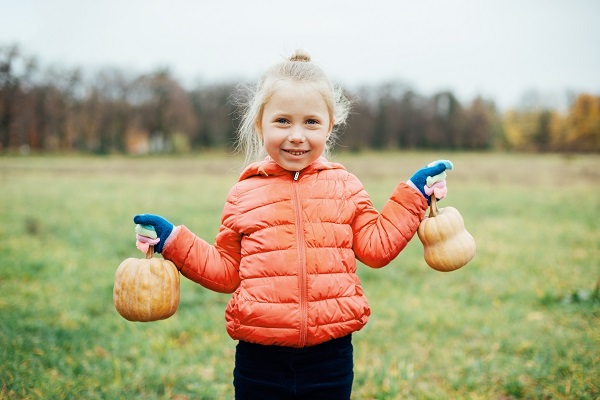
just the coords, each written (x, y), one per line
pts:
(287, 248)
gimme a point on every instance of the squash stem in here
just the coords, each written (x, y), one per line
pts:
(150, 252)
(433, 208)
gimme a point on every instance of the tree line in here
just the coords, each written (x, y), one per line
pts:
(113, 111)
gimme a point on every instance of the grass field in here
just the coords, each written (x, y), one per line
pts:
(520, 321)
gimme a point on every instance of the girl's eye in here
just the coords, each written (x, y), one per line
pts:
(281, 121)
(312, 121)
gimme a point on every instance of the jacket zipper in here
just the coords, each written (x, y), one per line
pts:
(301, 261)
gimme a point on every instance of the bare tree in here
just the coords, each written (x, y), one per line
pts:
(216, 114)
(480, 120)
(15, 72)
(165, 108)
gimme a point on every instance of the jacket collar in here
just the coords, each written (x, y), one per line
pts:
(268, 167)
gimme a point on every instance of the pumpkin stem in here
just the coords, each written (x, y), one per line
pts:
(433, 208)
(150, 252)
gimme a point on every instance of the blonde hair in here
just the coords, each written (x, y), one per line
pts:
(298, 69)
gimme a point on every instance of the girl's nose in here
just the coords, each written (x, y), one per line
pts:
(296, 135)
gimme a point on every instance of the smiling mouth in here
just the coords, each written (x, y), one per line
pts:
(296, 152)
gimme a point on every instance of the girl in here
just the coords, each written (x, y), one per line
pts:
(291, 231)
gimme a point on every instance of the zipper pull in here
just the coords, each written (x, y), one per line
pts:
(296, 175)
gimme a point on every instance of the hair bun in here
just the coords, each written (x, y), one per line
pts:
(300, 55)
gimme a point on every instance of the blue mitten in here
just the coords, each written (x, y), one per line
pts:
(427, 176)
(162, 227)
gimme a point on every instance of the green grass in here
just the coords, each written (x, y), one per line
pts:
(520, 321)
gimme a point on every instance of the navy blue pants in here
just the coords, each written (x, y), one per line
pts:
(324, 371)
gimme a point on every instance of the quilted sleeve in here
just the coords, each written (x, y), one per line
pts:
(379, 237)
(215, 266)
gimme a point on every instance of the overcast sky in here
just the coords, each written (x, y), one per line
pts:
(500, 49)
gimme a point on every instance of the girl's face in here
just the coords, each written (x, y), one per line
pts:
(295, 125)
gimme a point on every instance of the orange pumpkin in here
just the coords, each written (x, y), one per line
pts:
(446, 243)
(146, 289)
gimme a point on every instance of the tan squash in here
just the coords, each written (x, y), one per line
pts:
(146, 289)
(447, 244)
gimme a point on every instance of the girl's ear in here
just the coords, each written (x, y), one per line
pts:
(258, 123)
(331, 122)
(258, 128)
